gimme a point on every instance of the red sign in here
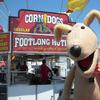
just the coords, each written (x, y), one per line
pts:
(38, 43)
(30, 21)
(4, 42)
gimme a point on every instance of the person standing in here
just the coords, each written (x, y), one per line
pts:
(24, 66)
(45, 73)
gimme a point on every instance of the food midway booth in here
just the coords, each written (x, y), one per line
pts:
(4, 63)
(31, 39)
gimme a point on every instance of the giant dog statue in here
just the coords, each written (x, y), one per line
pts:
(82, 45)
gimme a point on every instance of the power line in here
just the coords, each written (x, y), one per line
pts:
(3, 14)
(61, 6)
(8, 11)
(27, 5)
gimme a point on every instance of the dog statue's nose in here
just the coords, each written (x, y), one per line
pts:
(75, 51)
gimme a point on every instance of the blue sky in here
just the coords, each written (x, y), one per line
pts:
(11, 7)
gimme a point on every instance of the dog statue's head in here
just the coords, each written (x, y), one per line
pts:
(82, 43)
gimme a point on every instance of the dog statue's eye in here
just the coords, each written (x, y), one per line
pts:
(69, 31)
(66, 33)
(82, 27)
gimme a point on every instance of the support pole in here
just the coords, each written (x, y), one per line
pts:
(9, 67)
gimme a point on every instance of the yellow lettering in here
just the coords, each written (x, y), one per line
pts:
(21, 29)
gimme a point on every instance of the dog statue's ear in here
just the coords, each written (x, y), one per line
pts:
(90, 17)
(60, 29)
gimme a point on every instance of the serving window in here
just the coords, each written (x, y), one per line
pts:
(26, 67)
